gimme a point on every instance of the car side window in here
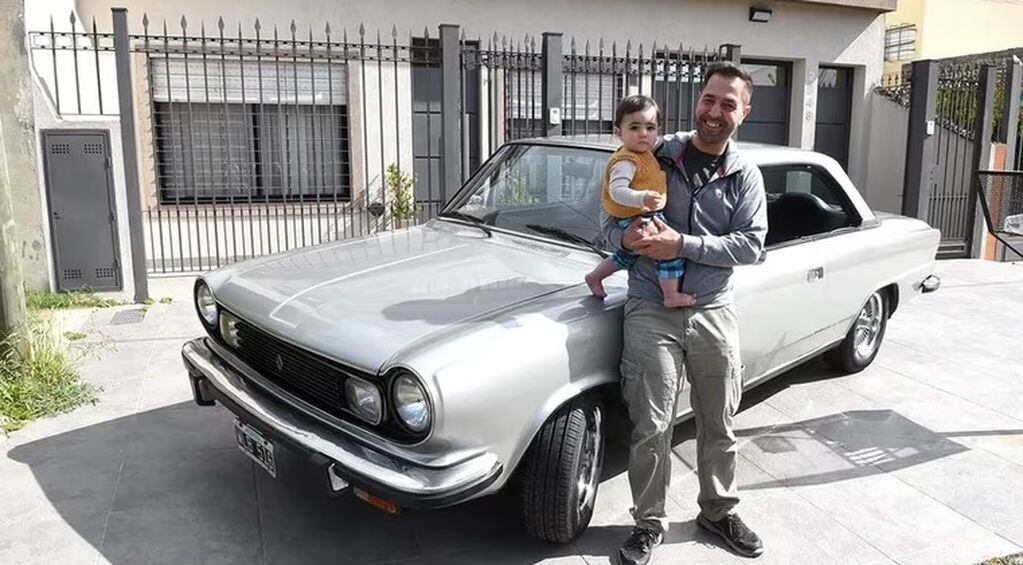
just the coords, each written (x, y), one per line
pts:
(803, 201)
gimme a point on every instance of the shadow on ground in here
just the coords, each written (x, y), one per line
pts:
(169, 485)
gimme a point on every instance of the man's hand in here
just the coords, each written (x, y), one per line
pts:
(663, 245)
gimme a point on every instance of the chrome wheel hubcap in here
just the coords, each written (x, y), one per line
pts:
(867, 331)
(586, 482)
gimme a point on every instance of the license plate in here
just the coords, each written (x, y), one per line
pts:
(257, 447)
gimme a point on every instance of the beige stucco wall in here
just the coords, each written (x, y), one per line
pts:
(948, 28)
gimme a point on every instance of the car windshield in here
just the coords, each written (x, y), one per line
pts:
(539, 190)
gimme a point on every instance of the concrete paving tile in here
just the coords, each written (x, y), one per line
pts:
(166, 388)
(969, 547)
(974, 483)
(48, 537)
(300, 524)
(180, 534)
(1013, 531)
(816, 399)
(794, 531)
(182, 428)
(504, 557)
(797, 456)
(889, 514)
(216, 483)
(934, 409)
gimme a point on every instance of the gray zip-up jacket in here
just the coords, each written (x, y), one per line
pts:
(723, 224)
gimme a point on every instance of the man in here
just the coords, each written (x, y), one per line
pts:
(716, 219)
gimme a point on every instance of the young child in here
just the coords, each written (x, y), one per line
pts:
(635, 186)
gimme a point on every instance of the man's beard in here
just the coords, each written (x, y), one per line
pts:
(710, 136)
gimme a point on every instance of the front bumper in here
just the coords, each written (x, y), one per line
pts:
(406, 483)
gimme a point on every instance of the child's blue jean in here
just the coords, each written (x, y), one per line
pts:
(667, 269)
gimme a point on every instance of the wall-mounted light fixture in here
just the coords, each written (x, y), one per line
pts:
(760, 15)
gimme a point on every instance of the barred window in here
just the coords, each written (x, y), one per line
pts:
(900, 42)
(250, 131)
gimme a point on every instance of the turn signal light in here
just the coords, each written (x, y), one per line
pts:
(374, 500)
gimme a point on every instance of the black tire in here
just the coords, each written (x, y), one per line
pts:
(863, 341)
(569, 446)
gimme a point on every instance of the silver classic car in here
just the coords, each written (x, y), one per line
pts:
(428, 366)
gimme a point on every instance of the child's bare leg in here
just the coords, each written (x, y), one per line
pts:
(595, 278)
(673, 298)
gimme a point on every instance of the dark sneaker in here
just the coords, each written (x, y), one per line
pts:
(737, 535)
(640, 546)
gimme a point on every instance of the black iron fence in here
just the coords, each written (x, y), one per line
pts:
(258, 139)
(958, 109)
(1001, 198)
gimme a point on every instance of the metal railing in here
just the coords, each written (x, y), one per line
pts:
(257, 140)
(1001, 200)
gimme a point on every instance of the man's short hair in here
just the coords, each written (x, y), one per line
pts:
(729, 69)
(635, 103)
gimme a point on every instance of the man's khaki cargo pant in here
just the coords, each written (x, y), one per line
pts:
(661, 347)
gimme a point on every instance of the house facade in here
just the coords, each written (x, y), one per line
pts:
(939, 29)
(263, 126)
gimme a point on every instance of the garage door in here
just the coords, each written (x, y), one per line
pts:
(834, 107)
(768, 122)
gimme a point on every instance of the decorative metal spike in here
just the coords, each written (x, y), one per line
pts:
(94, 24)
(362, 30)
(462, 36)
(165, 28)
(532, 44)
(145, 20)
(184, 23)
(426, 33)
(601, 44)
(257, 25)
(628, 46)
(587, 46)
(326, 29)
(504, 42)
(275, 33)
(573, 45)
(394, 32)
(344, 35)
(220, 23)
(495, 41)
(73, 20)
(202, 28)
(293, 27)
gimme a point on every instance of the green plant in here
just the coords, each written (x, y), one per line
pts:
(166, 300)
(41, 383)
(74, 336)
(516, 190)
(46, 300)
(400, 188)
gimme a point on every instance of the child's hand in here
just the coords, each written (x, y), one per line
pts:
(653, 200)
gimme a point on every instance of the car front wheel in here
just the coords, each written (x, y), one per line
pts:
(562, 472)
(863, 341)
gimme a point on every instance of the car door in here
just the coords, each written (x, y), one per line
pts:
(775, 304)
(786, 313)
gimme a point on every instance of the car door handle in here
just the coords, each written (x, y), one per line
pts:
(815, 274)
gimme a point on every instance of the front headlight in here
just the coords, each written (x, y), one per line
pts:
(364, 399)
(205, 304)
(411, 404)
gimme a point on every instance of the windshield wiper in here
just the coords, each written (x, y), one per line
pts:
(478, 222)
(568, 236)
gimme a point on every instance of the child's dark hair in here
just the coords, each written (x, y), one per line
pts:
(635, 103)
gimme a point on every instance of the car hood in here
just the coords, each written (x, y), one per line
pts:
(360, 302)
